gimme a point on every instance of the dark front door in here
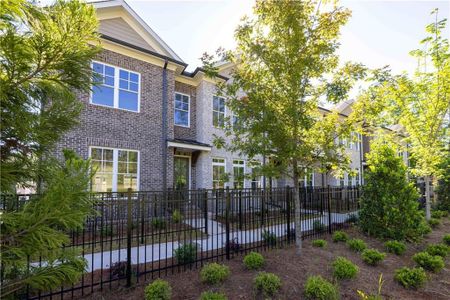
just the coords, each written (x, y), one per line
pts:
(181, 173)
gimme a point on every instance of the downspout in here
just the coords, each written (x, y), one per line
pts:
(164, 127)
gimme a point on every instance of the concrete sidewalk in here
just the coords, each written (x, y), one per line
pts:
(216, 240)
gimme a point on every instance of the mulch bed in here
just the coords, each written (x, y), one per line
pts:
(294, 270)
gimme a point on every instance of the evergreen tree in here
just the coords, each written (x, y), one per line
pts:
(389, 206)
(45, 55)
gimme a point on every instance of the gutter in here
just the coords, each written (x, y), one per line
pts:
(164, 127)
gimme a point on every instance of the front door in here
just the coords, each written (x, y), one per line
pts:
(181, 173)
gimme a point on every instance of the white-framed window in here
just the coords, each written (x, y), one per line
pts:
(238, 173)
(358, 141)
(218, 112)
(308, 179)
(118, 88)
(342, 180)
(219, 172)
(117, 169)
(255, 179)
(349, 179)
(181, 110)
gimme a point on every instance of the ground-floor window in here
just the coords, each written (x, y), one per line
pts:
(117, 169)
(238, 173)
(255, 179)
(219, 173)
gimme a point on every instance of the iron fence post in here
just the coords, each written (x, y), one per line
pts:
(329, 209)
(288, 213)
(227, 222)
(129, 224)
(205, 204)
(240, 209)
(262, 207)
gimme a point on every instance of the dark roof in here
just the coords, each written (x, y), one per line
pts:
(189, 142)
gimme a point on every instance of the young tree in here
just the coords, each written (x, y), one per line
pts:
(285, 63)
(45, 53)
(420, 103)
(389, 207)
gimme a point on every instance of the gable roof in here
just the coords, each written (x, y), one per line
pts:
(118, 18)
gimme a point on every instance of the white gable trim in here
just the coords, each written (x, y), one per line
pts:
(132, 18)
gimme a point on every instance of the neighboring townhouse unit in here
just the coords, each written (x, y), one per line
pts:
(150, 125)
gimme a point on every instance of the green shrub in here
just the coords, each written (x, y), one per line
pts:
(159, 224)
(318, 226)
(437, 214)
(389, 206)
(158, 290)
(357, 245)
(434, 223)
(177, 217)
(253, 261)
(186, 254)
(438, 249)
(424, 228)
(372, 257)
(268, 283)
(269, 238)
(209, 295)
(340, 236)
(344, 268)
(446, 239)
(214, 273)
(395, 247)
(433, 263)
(319, 243)
(318, 288)
(411, 278)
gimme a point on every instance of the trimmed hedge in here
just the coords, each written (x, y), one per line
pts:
(253, 261)
(214, 273)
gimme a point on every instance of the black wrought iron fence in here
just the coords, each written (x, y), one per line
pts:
(137, 235)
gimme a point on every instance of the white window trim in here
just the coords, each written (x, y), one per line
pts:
(254, 162)
(238, 165)
(189, 110)
(116, 88)
(224, 164)
(116, 164)
(190, 167)
(224, 111)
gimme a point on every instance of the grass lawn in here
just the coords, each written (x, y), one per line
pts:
(294, 270)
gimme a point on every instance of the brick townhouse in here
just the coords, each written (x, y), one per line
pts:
(150, 124)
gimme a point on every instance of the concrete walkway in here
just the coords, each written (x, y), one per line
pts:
(216, 240)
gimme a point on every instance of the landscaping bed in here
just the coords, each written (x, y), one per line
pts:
(294, 270)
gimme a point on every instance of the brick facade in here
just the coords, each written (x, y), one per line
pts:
(111, 127)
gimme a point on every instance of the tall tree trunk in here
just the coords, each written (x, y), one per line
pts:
(427, 198)
(298, 220)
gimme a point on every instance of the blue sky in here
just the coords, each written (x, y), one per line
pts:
(379, 32)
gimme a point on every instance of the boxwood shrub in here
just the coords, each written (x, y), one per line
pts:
(372, 256)
(268, 283)
(411, 278)
(318, 288)
(446, 239)
(319, 243)
(158, 290)
(340, 236)
(254, 261)
(214, 273)
(209, 295)
(434, 223)
(344, 268)
(395, 247)
(186, 254)
(438, 249)
(433, 263)
(357, 245)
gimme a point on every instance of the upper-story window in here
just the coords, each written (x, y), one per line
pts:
(117, 88)
(181, 111)
(218, 111)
